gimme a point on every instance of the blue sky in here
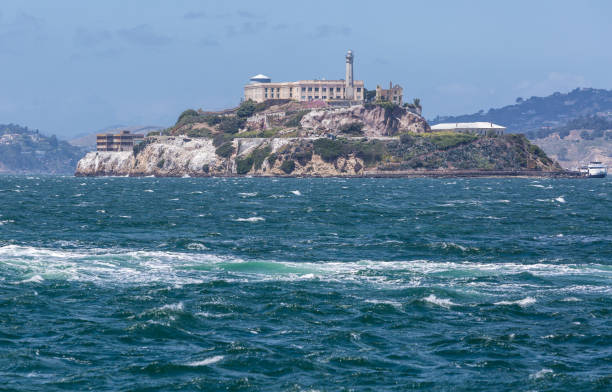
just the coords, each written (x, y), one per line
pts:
(73, 67)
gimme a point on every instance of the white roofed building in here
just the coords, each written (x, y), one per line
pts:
(261, 88)
(480, 128)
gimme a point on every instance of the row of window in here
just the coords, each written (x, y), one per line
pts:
(316, 89)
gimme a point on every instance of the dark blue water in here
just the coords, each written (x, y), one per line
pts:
(305, 284)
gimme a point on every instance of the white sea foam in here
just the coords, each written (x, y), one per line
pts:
(4, 222)
(443, 302)
(196, 246)
(251, 219)
(178, 307)
(395, 304)
(560, 199)
(297, 193)
(521, 302)
(124, 266)
(540, 374)
(571, 299)
(149, 190)
(207, 361)
(34, 279)
(248, 194)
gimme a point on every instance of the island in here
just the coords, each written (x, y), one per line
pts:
(317, 128)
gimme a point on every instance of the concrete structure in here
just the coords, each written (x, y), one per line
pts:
(480, 128)
(122, 141)
(394, 94)
(262, 88)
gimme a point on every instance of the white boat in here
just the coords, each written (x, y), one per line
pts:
(597, 170)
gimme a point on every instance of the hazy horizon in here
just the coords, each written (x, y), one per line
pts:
(72, 67)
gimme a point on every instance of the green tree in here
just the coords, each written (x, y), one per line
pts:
(246, 109)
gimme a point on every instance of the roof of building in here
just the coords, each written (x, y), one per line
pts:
(471, 125)
(260, 76)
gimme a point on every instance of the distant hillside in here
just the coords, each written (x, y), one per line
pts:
(23, 150)
(538, 117)
(579, 142)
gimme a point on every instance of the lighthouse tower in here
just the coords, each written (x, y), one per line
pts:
(348, 80)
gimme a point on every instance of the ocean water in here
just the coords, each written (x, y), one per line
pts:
(240, 284)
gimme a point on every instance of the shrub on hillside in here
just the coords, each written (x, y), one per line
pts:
(243, 166)
(446, 140)
(187, 113)
(259, 156)
(288, 166)
(303, 157)
(354, 128)
(295, 119)
(225, 150)
(370, 152)
(198, 133)
(328, 149)
(272, 159)
(231, 124)
(246, 109)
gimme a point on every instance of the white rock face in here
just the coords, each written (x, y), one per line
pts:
(376, 120)
(169, 156)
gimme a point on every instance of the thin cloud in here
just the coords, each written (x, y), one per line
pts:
(195, 15)
(143, 35)
(326, 31)
(246, 14)
(246, 28)
(208, 42)
(24, 29)
(91, 38)
(554, 81)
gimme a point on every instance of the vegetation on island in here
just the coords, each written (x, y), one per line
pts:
(23, 150)
(344, 149)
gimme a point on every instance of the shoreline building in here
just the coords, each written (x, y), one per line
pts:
(122, 141)
(480, 128)
(261, 88)
(393, 94)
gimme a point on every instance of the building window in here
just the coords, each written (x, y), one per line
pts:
(309, 88)
(358, 89)
(316, 89)
(309, 97)
(338, 89)
(324, 89)
(303, 88)
(324, 97)
(266, 89)
(316, 97)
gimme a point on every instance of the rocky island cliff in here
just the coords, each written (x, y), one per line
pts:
(298, 139)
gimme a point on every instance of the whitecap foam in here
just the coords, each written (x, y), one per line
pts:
(149, 190)
(560, 199)
(251, 219)
(528, 301)
(540, 374)
(443, 302)
(297, 193)
(247, 194)
(119, 266)
(33, 279)
(207, 361)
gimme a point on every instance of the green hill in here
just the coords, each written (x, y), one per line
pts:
(537, 117)
(23, 150)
